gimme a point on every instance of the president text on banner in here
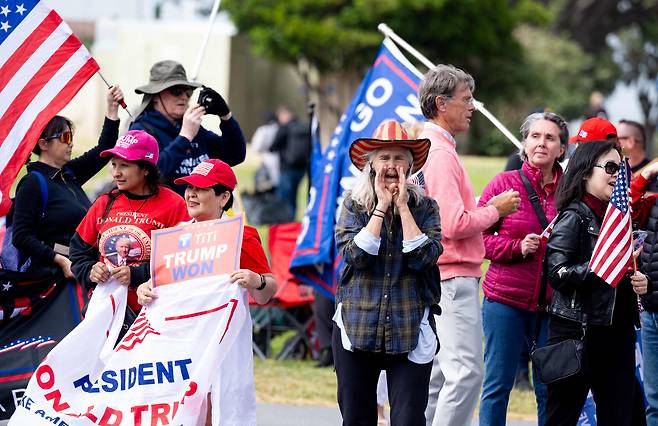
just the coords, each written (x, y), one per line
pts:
(388, 91)
(162, 370)
(42, 66)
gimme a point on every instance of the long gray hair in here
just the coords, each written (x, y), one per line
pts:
(363, 191)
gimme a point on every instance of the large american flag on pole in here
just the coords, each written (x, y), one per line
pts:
(42, 66)
(613, 252)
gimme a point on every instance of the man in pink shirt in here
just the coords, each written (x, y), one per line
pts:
(446, 100)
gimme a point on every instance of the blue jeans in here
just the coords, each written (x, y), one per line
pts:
(507, 330)
(287, 189)
(650, 364)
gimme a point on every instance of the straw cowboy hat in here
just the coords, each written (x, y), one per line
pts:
(390, 134)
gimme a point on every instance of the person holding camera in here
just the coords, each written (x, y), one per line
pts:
(165, 113)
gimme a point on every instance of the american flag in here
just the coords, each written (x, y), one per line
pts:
(613, 252)
(137, 333)
(42, 66)
(418, 179)
(549, 229)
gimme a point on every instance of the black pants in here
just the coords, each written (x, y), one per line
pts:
(608, 369)
(357, 373)
(323, 309)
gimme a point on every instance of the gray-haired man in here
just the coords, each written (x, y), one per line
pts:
(446, 100)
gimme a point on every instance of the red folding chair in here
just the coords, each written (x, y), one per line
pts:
(291, 293)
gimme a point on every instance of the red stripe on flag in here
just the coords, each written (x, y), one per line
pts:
(15, 377)
(610, 221)
(609, 263)
(197, 314)
(36, 83)
(28, 47)
(58, 102)
(398, 71)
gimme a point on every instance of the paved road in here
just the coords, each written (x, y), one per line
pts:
(290, 415)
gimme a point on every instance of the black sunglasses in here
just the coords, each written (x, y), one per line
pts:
(610, 167)
(179, 90)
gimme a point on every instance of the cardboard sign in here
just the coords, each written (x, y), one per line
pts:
(196, 250)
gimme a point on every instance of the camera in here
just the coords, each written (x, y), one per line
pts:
(207, 98)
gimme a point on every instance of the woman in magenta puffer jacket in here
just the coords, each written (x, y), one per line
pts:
(514, 247)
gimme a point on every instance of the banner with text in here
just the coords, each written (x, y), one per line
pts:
(161, 371)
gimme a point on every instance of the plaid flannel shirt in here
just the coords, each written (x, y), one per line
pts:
(384, 296)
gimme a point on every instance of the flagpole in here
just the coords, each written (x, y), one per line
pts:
(122, 102)
(204, 45)
(388, 32)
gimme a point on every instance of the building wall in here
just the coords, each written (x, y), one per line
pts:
(126, 49)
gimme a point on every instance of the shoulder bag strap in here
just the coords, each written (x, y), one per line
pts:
(534, 199)
(541, 301)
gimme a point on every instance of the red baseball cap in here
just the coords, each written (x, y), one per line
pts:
(594, 129)
(210, 173)
(135, 145)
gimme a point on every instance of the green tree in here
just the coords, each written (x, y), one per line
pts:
(337, 39)
(623, 34)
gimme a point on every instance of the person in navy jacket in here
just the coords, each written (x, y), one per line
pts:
(165, 113)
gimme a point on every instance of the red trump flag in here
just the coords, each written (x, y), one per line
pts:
(42, 66)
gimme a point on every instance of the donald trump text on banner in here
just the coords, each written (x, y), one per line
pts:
(162, 369)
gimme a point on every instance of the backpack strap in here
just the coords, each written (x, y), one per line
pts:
(43, 186)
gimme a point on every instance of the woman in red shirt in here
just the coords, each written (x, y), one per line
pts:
(114, 238)
(208, 195)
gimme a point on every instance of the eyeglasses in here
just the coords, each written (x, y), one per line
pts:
(64, 137)
(466, 101)
(610, 167)
(178, 91)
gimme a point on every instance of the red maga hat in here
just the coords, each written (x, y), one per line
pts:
(210, 173)
(594, 129)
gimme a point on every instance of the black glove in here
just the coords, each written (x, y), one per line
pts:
(213, 102)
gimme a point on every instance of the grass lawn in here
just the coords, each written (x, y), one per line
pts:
(299, 383)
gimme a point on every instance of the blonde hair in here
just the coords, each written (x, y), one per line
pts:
(363, 191)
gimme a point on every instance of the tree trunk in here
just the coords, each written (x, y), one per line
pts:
(331, 94)
(650, 121)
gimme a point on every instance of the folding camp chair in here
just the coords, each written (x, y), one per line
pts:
(290, 294)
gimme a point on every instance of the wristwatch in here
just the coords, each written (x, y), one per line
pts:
(262, 282)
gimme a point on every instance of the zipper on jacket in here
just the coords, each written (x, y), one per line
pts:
(614, 300)
(573, 299)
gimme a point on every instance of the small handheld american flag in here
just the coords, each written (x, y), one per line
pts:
(613, 252)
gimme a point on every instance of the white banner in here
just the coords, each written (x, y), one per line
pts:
(161, 371)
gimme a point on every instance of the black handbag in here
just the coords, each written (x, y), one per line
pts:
(559, 360)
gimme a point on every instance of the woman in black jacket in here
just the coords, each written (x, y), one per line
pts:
(46, 239)
(583, 302)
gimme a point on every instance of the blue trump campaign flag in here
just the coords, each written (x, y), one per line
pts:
(388, 91)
